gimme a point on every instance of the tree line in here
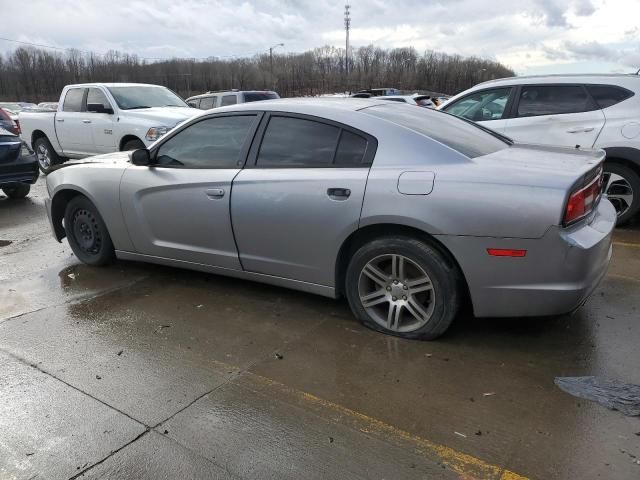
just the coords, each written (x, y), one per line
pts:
(33, 74)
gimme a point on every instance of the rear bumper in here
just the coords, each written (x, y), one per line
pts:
(23, 170)
(557, 275)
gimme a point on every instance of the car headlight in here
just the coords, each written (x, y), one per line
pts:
(155, 133)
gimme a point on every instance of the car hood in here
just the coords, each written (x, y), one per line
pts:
(540, 165)
(115, 157)
(163, 116)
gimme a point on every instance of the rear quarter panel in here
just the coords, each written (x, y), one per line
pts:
(468, 198)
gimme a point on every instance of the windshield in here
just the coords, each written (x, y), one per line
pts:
(129, 98)
(466, 137)
(256, 96)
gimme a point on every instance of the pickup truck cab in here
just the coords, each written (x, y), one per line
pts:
(97, 118)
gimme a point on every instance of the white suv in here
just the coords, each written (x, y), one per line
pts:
(222, 98)
(590, 111)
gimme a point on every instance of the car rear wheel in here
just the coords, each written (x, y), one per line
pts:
(623, 189)
(17, 191)
(47, 156)
(404, 287)
(87, 233)
(133, 145)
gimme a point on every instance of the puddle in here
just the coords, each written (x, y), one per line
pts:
(623, 397)
(4, 243)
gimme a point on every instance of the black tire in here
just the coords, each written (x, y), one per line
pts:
(444, 277)
(87, 233)
(46, 155)
(133, 145)
(17, 191)
(633, 181)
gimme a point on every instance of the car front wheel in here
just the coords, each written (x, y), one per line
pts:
(87, 233)
(17, 191)
(403, 286)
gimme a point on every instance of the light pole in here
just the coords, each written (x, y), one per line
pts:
(271, 61)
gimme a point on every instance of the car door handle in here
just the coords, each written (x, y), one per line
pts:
(60, 120)
(86, 121)
(215, 192)
(580, 130)
(338, 193)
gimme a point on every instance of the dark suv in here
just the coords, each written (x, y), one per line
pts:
(18, 166)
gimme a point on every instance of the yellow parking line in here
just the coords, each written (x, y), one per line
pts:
(627, 244)
(465, 465)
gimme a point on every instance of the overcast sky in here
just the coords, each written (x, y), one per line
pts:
(530, 36)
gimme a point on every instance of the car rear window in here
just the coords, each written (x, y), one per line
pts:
(461, 135)
(257, 96)
(4, 115)
(538, 100)
(608, 95)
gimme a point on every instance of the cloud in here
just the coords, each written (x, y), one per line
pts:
(519, 32)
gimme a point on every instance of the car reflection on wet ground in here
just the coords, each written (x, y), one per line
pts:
(140, 371)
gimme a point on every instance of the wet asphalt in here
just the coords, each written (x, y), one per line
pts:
(140, 371)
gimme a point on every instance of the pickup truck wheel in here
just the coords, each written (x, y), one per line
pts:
(47, 156)
(133, 145)
(87, 233)
(18, 191)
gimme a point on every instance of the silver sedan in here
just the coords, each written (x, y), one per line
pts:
(407, 212)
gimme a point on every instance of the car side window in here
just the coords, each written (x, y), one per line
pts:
(297, 142)
(608, 95)
(195, 103)
(96, 96)
(538, 100)
(291, 142)
(207, 103)
(73, 100)
(210, 143)
(228, 100)
(481, 106)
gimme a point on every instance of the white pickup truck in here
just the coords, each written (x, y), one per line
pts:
(96, 118)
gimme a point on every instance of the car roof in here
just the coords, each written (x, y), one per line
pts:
(299, 104)
(222, 92)
(116, 84)
(562, 78)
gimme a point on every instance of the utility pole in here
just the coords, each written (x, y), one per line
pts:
(273, 86)
(347, 27)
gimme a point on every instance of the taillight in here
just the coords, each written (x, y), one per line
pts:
(583, 198)
(18, 130)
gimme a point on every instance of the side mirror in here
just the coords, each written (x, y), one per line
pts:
(99, 108)
(140, 157)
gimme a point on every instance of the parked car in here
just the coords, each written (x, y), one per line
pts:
(18, 166)
(599, 111)
(223, 98)
(98, 118)
(276, 193)
(9, 121)
(419, 100)
(377, 92)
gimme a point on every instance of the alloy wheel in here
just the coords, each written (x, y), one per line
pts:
(44, 157)
(619, 191)
(396, 293)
